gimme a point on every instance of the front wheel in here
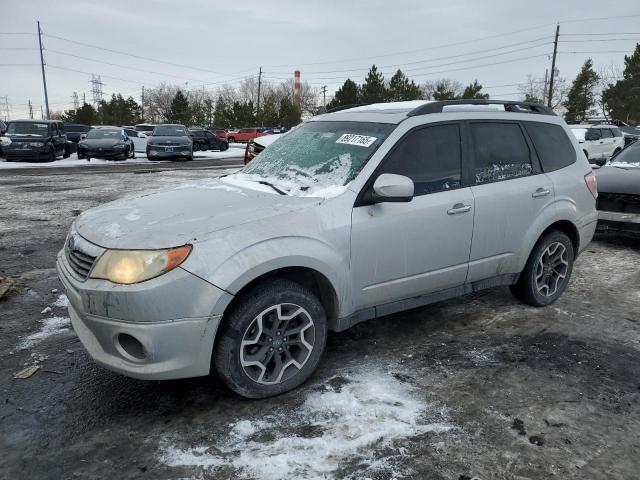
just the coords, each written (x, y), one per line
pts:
(547, 272)
(272, 340)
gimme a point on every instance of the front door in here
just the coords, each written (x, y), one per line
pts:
(510, 192)
(402, 250)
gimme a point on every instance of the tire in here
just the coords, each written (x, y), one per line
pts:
(196, 147)
(537, 273)
(67, 152)
(80, 156)
(224, 147)
(232, 140)
(52, 156)
(242, 324)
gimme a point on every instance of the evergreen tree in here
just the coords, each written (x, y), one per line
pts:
(533, 99)
(179, 112)
(622, 99)
(243, 114)
(581, 99)
(400, 88)
(373, 89)
(223, 116)
(290, 114)
(443, 92)
(85, 115)
(473, 90)
(347, 94)
(269, 111)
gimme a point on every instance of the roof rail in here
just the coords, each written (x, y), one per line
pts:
(509, 106)
(346, 107)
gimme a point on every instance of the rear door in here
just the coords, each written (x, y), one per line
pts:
(401, 250)
(607, 142)
(510, 191)
(59, 139)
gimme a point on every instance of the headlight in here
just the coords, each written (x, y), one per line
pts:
(119, 145)
(36, 144)
(133, 266)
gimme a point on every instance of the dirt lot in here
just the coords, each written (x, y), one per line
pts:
(479, 386)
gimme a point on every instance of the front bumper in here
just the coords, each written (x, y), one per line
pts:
(171, 319)
(619, 222)
(33, 153)
(107, 153)
(178, 152)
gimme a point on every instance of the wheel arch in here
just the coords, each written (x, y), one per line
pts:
(308, 277)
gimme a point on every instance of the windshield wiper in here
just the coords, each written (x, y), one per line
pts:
(281, 192)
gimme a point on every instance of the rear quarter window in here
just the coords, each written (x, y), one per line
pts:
(553, 147)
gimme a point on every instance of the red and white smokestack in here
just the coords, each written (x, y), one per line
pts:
(297, 88)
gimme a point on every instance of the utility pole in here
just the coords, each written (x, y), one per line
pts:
(75, 100)
(96, 88)
(30, 110)
(259, 87)
(544, 90)
(324, 96)
(84, 98)
(44, 78)
(553, 67)
(142, 105)
(41, 112)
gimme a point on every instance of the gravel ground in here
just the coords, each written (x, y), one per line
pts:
(479, 386)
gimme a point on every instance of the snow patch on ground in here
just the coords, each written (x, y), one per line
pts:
(50, 326)
(61, 301)
(363, 413)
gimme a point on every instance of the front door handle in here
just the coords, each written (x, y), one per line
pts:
(541, 192)
(459, 208)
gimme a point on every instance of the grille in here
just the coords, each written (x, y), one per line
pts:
(80, 262)
(617, 202)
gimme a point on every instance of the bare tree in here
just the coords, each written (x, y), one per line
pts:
(430, 86)
(607, 75)
(536, 90)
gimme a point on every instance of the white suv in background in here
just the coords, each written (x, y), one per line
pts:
(599, 142)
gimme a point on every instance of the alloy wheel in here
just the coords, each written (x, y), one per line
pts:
(277, 343)
(551, 269)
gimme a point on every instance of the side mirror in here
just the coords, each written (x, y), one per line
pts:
(390, 187)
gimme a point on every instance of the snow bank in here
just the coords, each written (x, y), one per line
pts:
(365, 415)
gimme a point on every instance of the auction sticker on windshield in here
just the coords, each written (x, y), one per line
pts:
(353, 139)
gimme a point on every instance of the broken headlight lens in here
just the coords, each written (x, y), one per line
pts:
(133, 266)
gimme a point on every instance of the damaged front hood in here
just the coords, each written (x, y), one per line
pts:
(186, 214)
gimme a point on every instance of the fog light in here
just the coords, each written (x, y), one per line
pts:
(131, 346)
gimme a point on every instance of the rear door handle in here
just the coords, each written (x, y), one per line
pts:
(541, 192)
(459, 208)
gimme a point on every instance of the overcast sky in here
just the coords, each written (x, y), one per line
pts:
(327, 40)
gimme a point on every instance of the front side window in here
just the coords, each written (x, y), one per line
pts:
(431, 157)
(318, 155)
(552, 145)
(501, 152)
(617, 132)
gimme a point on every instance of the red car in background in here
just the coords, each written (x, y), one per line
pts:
(245, 135)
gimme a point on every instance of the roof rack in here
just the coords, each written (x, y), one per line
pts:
(509, 106)
(346, 107)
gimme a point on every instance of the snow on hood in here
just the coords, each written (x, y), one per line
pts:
(173, 217)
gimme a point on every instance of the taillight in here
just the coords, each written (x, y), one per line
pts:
(592, 184)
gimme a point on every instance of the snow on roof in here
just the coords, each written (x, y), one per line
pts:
(390, 107)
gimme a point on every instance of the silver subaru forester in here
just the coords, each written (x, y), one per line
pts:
(355, 214)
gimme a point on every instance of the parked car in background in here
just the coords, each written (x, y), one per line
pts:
(146, 128)
(221, 133)
(207, 140)
(245, 134)
(139, 139)
(257, 145)
(631, 134)
(170, 141)
(353, 215)
(37, 140)
(3, 127)
(106, 142)
(598, 142)
(619, 192)
(76, 132)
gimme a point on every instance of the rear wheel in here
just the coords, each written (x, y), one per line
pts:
(232, 140)
(272, 340)
(67, 152)
(547, 272)
(196, 147)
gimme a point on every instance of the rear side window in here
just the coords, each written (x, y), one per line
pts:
(552, 145)
(606, 133)
(431, 157)
(501, 152)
